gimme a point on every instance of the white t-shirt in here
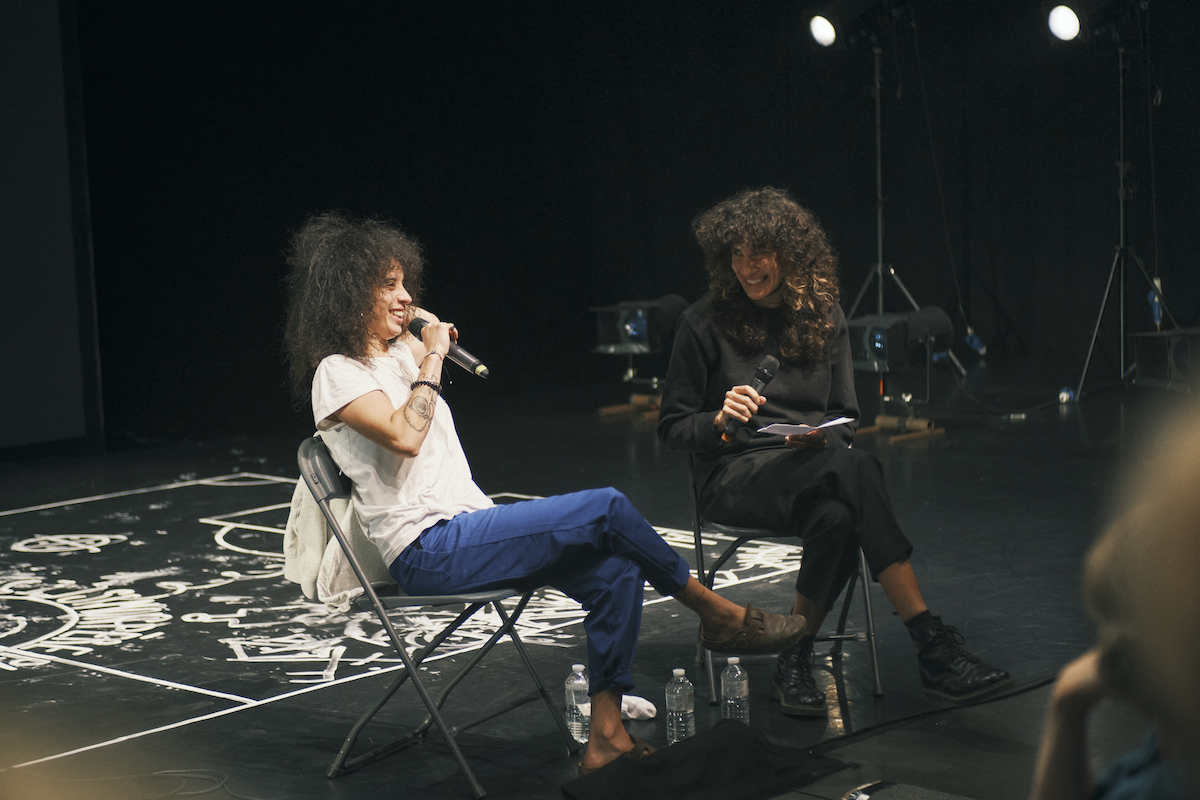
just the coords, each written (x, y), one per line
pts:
(395, 498)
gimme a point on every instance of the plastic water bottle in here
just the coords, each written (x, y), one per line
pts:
(975, 343)
(1155, 298)
(735, 692)
(681, 708)
(579, 705)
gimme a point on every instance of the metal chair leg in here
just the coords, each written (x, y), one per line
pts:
(708, 580)
(862, 575)
(866, 592)
(839, 635)
(572, 745)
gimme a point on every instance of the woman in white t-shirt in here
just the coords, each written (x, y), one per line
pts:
(376, 390)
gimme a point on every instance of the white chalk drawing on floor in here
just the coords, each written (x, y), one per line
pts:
(11, 624)
(50, 619)
(87, 617)
(327, 674)
(73, 619)
(235, 479)
(67, 542)
(109, 613)
(546, 620)
(251, 531)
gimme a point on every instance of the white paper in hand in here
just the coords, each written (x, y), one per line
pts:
(784, 429)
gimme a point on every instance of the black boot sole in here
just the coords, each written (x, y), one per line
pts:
(795, 711)
(986, 691)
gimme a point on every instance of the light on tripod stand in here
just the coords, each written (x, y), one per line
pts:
(1067, 21)
(840, 23)
(1111, 25)
(1117, 27)
(822, 30)
(1063, 22)
(868, 24)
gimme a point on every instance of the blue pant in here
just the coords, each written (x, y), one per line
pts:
(592, 546)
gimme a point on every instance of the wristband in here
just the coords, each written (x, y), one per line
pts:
(437, 387)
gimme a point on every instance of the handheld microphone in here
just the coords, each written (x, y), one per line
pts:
(762, 376)
(459, 356)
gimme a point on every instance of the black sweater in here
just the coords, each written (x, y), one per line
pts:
(704, 366)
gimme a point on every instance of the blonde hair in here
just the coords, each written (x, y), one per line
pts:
(1142, 583)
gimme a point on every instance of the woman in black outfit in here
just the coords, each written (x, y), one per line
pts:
(773, 290)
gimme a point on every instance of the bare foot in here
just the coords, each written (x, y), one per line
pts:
(607, 737)
(602, 750)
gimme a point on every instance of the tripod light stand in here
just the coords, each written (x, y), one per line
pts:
(829, 27)
(1122, 27)
(876, 272)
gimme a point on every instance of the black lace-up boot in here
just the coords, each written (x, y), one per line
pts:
(793, 685)
(947, 670)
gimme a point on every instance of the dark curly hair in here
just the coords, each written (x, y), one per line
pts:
(337, 266)
(771, 219)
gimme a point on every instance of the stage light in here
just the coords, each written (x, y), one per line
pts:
(1109, 25)
(889, 342)
(637, 327)
(1063, 22)
(1068, 22)
(822, 31)
(840, 23)
(1114, 27)
(847, 24)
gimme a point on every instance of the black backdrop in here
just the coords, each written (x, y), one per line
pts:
(551, 155)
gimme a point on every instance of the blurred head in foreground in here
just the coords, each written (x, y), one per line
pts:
(1142, 586)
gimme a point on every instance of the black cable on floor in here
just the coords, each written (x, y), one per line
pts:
(1007, 412)
(884, 727)
(1018, 413)
(179, 778)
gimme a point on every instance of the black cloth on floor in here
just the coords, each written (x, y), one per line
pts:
(728, 760)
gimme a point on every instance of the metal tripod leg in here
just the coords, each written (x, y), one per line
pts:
(872, 274)
(1096, 328)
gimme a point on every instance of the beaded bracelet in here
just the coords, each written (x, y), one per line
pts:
(437, 387)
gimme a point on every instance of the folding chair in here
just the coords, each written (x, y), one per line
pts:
(740, 536)
(326, 483)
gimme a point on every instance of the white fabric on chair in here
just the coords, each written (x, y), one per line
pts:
(313, 558)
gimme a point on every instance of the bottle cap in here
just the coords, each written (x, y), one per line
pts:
(677, 672)
(577, 668)
(734, 660)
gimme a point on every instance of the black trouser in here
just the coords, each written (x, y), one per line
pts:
(834, 499)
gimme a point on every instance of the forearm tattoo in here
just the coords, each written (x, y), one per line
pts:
(419, 408)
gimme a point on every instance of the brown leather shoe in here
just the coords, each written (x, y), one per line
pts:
(761, 632)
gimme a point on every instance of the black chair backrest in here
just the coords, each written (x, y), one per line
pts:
(320, 471)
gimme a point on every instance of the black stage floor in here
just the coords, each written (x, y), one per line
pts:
(145, 625)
